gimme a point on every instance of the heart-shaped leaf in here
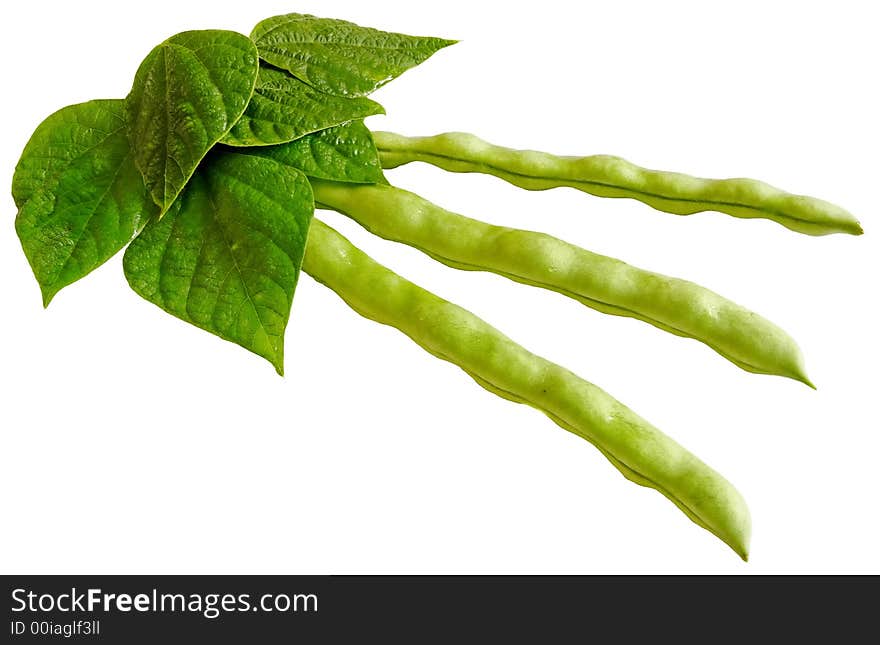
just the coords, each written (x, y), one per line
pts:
(80, 196)
(187, 93)
(342, 153)
(283, 108)
(226, 256)
(337, 56)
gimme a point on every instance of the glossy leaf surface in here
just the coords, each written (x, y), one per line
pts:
(342, 153)
(79, 194)
(283, 108)
(187, 93)
(226, 257)
(337, 56)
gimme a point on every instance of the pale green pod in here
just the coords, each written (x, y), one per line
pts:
(640, 451)
(600, 282)
(607, 176)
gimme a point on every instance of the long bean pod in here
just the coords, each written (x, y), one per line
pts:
(640, 451)
(607, 176)
(603, 283)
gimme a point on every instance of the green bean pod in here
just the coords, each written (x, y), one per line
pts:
(600, 282)
(607, 176)
(642, 453)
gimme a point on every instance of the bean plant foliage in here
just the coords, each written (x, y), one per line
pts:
(202, 170)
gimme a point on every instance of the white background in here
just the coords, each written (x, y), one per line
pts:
(133, 442)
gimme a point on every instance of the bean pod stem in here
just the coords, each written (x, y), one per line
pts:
(641, 452)
(606, 284)
(607, 176)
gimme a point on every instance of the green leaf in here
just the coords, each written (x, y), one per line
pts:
(226, 256)
(188, 92)
(340, 57)
(283, 108)
(80, 196)
(342, 153)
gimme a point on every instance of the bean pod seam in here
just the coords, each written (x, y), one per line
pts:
(608, 176)
(603, 283)
(640, 451)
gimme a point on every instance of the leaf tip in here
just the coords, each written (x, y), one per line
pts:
(275, 355)
(48, 294)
